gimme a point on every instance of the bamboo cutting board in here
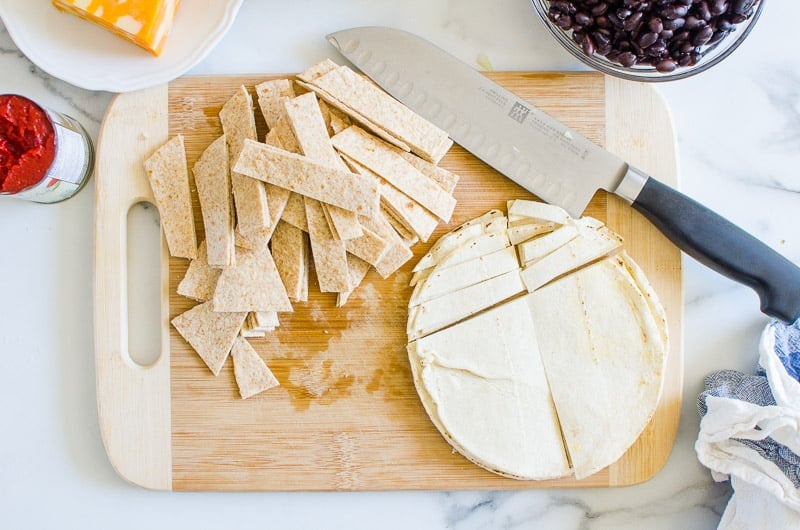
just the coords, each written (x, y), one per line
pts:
(346, 416)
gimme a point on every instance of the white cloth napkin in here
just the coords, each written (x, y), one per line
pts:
(750, 433)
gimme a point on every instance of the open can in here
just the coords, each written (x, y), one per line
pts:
(45, 156)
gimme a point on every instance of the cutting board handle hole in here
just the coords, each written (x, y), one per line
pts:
(144, 283)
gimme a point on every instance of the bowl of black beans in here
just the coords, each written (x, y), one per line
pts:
(650, 40)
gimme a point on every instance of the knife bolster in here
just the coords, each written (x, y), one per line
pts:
(632, 184)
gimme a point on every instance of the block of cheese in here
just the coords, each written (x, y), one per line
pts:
(143, 22)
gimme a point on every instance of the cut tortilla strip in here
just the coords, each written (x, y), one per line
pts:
(308, 125)
(329, 254)
(249, 329)
(493, 219)
(481, 245)
(277, 198)
(251, 372)
(339, 121)
(238, 121)
(638, 276)
(444, 178)
(519, 234)
(295, 212)
(313, 72)
(370, 247)
(425, 139)
(211, 334)
(405, 209)
(357, 270)
(374, 243)
(383, 160)
(398, 252)
(582, 250)
(536, 249)
(290, 252)
(250, 197)
(594, 374)
(266, 320)
(407, 235)
(252, 285)
(213, 181)
(299, 174)
(169, 178)
(484, 386)
(359, 118)
(271, 95)
(539, 211)
(449, 279)
(397, 255)
(305, 117)
(200, 279)
(284, 134)
(453, 307)
(344, 224)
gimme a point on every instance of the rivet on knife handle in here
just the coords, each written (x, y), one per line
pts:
(724, 247)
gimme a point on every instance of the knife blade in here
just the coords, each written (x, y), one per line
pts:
(556, 163)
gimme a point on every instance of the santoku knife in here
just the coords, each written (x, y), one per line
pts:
(556, 163)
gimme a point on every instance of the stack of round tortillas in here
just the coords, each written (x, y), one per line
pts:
(536, 343)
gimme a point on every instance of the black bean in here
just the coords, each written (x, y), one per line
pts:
(676, 23)
(664, 34)
(655, 25)
(563, 5)
(633, 22)
(601, 38)
(703, 11)
(718, 7)
(602, 22)
(615, 21)
(563, 21)
(724, 25)
(647, 39)
(627, 59)
(583, 19)
(588, 46)
(718, 36)
(702, 36)
(692, 22)
(659, 49)
(674, 11)
(666, 66)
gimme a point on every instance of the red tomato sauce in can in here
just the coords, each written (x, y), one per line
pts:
(44, 156)
(27, 143)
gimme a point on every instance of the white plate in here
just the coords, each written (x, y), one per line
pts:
(90, 57)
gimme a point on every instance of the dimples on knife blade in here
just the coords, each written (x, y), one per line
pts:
(503, 130)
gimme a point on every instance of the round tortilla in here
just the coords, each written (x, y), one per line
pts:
(588, 352)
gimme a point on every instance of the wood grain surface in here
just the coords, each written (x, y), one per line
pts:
(346, 416)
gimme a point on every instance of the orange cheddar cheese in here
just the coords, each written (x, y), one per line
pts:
(143, 22)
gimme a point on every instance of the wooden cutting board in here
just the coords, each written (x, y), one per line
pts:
(346, 416)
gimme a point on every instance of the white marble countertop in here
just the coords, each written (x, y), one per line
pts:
(739, 136)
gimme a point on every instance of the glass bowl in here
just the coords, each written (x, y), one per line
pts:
(711, 54)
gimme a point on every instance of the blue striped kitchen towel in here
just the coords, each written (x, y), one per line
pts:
(750, 433)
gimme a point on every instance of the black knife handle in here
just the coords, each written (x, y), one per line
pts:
(724, 247)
